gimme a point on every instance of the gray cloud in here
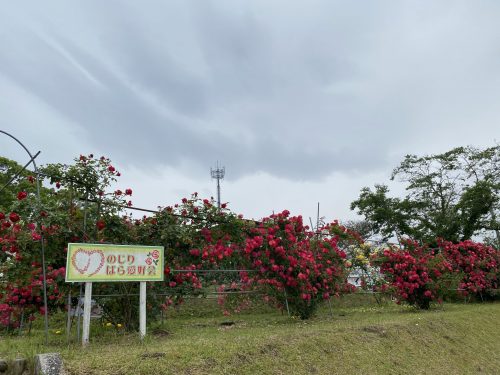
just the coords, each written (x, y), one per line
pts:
(296, 90)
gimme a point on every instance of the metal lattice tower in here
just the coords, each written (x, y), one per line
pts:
(218, 174)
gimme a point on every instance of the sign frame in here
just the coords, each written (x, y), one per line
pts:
(90, 249)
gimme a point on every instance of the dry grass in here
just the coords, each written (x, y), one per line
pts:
(364, 339)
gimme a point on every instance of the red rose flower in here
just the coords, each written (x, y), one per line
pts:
(100, 225)
(14, 217)
(21, 195)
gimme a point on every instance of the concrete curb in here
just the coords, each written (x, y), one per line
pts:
(49, 364)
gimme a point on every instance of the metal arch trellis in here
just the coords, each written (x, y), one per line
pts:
(32, 160)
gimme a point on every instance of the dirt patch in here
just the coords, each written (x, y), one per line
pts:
(153, 355)
(313, 370)
(241, 358)
(159, 332)
(209, 363)
(380, 331)
(270, 349)
(450, 339)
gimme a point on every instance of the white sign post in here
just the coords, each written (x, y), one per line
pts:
(108, 263)
(142, 309)
(87, 305)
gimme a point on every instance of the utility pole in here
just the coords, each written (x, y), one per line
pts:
(218, 174)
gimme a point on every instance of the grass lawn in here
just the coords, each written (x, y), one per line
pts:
(360, 338)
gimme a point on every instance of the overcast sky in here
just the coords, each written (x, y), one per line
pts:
(301, 101)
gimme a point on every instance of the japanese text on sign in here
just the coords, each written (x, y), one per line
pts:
(103, 262)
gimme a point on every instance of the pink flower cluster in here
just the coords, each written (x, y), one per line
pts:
(478, 264)
(413, 273)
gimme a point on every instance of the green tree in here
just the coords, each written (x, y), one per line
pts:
(10, 185)
(453, 195)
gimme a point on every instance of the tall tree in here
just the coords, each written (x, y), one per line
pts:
(454, 195)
